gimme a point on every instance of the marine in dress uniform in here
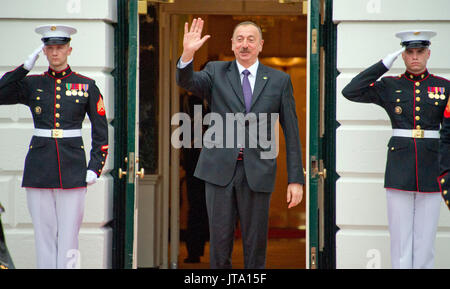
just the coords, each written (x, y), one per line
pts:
(444, 154)
(415, 102)
(56, 174)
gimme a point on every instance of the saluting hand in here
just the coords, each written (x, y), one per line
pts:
(32, 58)
(192, 40)
(390, 58)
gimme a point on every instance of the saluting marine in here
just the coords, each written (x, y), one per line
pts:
(444, 155)
(56, 174)
(415, 102)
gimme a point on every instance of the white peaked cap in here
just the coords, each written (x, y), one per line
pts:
(415, 38)
(55, 33)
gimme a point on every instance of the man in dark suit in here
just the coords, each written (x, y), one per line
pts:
(238, 178)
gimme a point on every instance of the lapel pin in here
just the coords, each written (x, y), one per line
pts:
(265, 77)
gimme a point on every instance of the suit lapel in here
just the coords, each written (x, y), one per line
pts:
(235, 81)
(261, 80)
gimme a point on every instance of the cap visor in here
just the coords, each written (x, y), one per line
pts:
(416, 44)
(55, 40)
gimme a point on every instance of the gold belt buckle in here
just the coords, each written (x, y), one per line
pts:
(57, 133)
(418, 133)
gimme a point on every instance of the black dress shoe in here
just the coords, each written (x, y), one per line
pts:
(195, 259)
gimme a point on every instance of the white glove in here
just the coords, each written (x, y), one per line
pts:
(31, 60)
(91, 177)
(390, 58)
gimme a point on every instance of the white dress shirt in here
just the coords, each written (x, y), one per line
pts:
(251, 77)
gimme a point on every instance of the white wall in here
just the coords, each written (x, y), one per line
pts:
(366, 31)
(93, 56)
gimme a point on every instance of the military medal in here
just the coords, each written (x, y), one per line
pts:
(78, 88)
(68, 87)
(85, 88)
(398, 109)
(436, 93)
(430, 93)
(442, 91)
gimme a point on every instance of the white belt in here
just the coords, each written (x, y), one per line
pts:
(57, 133)
(415, 133)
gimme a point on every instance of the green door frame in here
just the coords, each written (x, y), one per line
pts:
(131, 132)
(314, 114)
(322, 88)
(125, 77)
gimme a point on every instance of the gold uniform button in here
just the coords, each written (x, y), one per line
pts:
(418, 126)
(445, 192)
(38, 98)
(77, 101)
(398, 99)
(57, 105)
(417, 99)
(436, 103)
(82, 147)
(58, 88)
(417, 108)
(442, 181)
(392, 148)
(31, 147)
(57, 115)
(58, 81)
(417, 83)
(417, 117)
(446, 202)
(417, 90)
(57, 124)
(58, 96)
(103, 163)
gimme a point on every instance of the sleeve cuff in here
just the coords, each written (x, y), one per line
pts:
(182, 64)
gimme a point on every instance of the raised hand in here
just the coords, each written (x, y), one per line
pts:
(192, 40)
(31, 60)
(390, 58)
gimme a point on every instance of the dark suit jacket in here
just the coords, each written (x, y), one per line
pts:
(219, 83)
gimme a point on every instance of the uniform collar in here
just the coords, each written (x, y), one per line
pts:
(59, 74)
(416, 77)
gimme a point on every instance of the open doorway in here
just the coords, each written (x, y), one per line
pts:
(163, 201)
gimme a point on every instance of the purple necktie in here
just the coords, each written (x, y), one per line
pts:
(247, 90)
